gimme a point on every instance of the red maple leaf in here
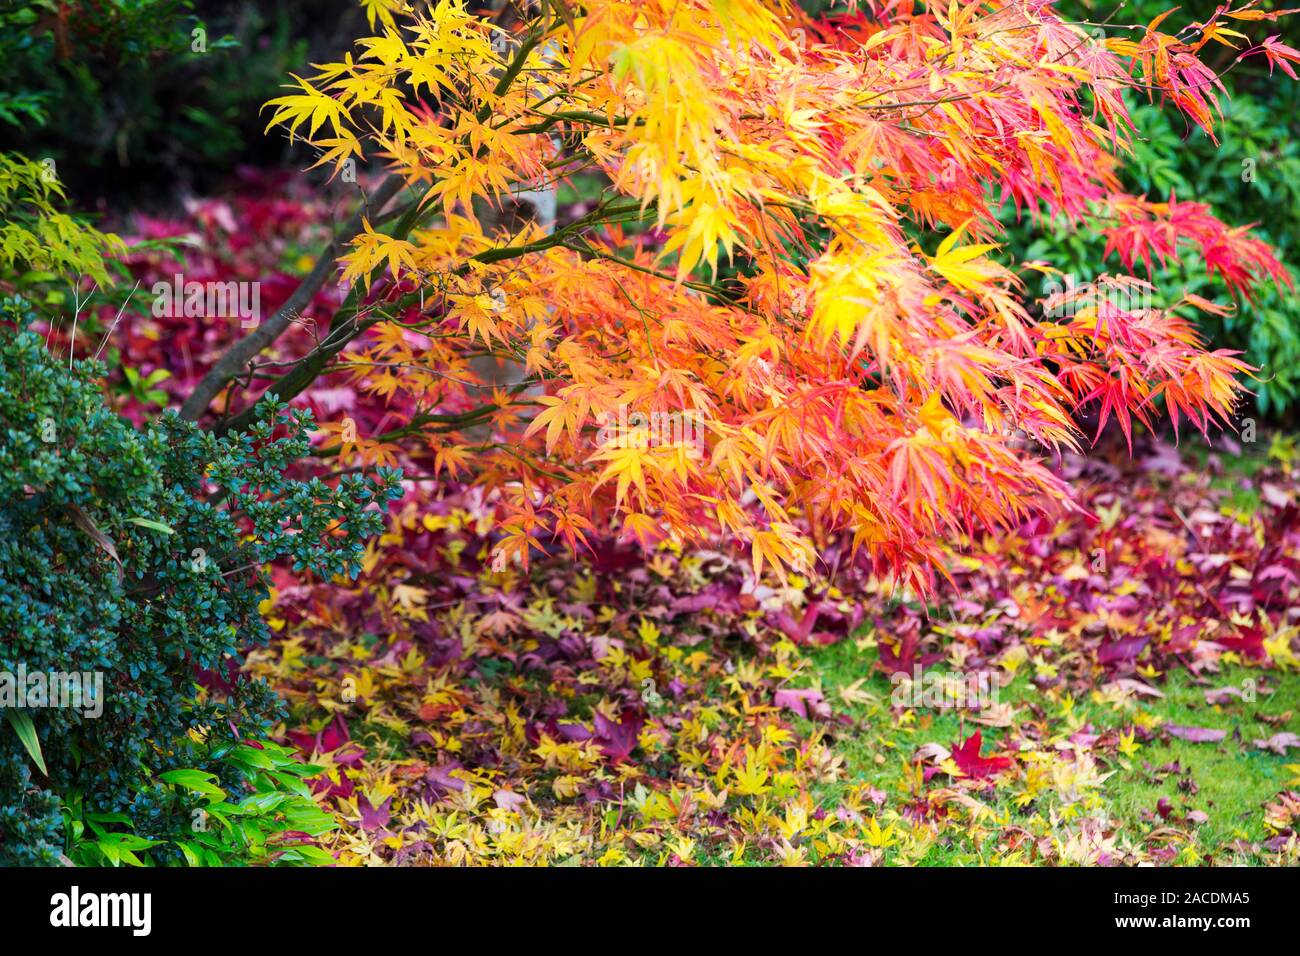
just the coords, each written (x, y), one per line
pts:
(1249, 642)
(968, 760)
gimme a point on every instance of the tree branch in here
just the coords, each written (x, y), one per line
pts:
(243, 351)
(303, 374)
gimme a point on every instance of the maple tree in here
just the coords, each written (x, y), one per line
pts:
(761, 270)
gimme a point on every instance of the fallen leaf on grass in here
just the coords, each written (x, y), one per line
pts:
(995, 715)
(806, 702)
(967, 758)
(1136, 687)
(1279, 743)
(1197, 735)
(1221, 695)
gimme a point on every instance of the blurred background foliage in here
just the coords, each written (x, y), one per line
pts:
(117, 95)
(142, 101)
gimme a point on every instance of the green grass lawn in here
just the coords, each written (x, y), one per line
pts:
(1229, 781)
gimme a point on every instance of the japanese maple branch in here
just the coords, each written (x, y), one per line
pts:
(354, 324)
(243, 351)
(292, 384)
(446, 423)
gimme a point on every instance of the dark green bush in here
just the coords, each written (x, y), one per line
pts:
(140, 555)
(142, 98)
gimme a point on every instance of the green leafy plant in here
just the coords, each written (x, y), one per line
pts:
(143, 388)
(140, 556)
(269, 819)
(35, 236)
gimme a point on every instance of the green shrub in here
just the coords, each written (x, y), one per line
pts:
(140, 556)
(268, 821)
